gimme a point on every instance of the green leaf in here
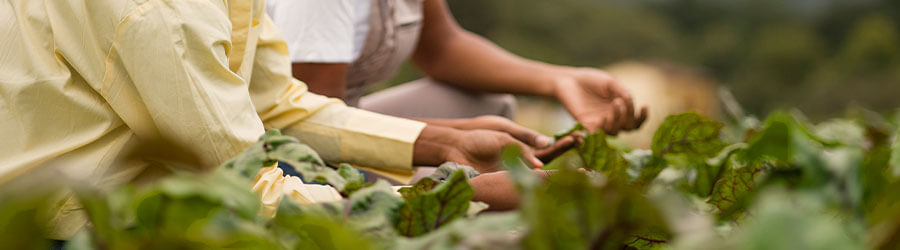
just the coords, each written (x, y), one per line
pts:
(730, 193)
(420, 188)
(373, 211)
(21, 223)
(649, 239)
(688, 133)
(308, 164)
(445, 170)
(569, 159)
(488, 231)
(298, 230)
(784, 140)
(574, 212)
(81, 241)
(510, 159)
(784, 220)
(255, 157)
(895, 156)
(598, 155)
(840, 131)
(274, 147)
(429, 211)
(644, 167)
(355, 179)
(594, 153)
(577, 127)
(475, 208)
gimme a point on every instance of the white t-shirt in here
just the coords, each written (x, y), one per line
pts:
(322, 31)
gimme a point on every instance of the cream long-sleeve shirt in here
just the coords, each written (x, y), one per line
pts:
(112, 91)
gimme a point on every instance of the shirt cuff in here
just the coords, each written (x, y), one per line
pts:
(349, 135)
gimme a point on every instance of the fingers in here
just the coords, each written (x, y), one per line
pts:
(530, 156)
(497, 123)
(528, 136)
(622, 117)
(527, 151)
(640, 119)
(558, 148)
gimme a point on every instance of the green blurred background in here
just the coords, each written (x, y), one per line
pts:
(819, 56)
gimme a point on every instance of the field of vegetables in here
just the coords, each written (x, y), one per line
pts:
(776, 183)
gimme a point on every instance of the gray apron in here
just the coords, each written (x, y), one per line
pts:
(393, 34)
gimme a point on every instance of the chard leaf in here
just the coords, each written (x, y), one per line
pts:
(577, 127)
(575, 212)
(428, 211)
(569, 159)
(306, 162)
(730, 193)
(784, 221)
(488, 231)
(895, 156)
(644, 167)
(688, 133)
(273, 147)
(297, 228)
(420, 188)
(598, 155)
(355, 180)
(649, 171)
(445, 170)
(784, 140)
(525, 180)
(649, 239)
(373, 211)
(841, 131)
(21, 223)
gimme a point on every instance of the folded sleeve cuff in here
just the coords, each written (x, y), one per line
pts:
(344, 134)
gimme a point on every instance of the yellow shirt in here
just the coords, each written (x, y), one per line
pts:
(112, 91)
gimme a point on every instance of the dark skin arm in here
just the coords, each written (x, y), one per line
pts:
(498, 190)
(328, 79)
(454, 56)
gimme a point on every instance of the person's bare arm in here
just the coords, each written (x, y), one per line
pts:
(498, 189)
(454, 56)
(445, 50)
(328, 79)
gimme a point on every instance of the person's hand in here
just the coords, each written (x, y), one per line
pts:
(477, 148)
(597, 101)
(497, 123)
(481, 150)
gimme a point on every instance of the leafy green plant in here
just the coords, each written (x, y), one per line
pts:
(780, 184)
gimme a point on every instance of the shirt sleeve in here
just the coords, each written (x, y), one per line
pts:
(174, 85)
(337, 132)
(319, 31)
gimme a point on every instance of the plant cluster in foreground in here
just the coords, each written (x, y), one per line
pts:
(779, 184)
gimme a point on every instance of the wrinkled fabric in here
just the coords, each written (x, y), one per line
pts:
(271, 185)
(117, 91)
(319, 31)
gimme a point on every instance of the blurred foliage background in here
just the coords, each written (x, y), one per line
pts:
(819, 56)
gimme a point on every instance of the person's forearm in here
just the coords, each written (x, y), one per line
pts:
(472, 63)
(328, 79)
(498, 190)
(454, 56)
